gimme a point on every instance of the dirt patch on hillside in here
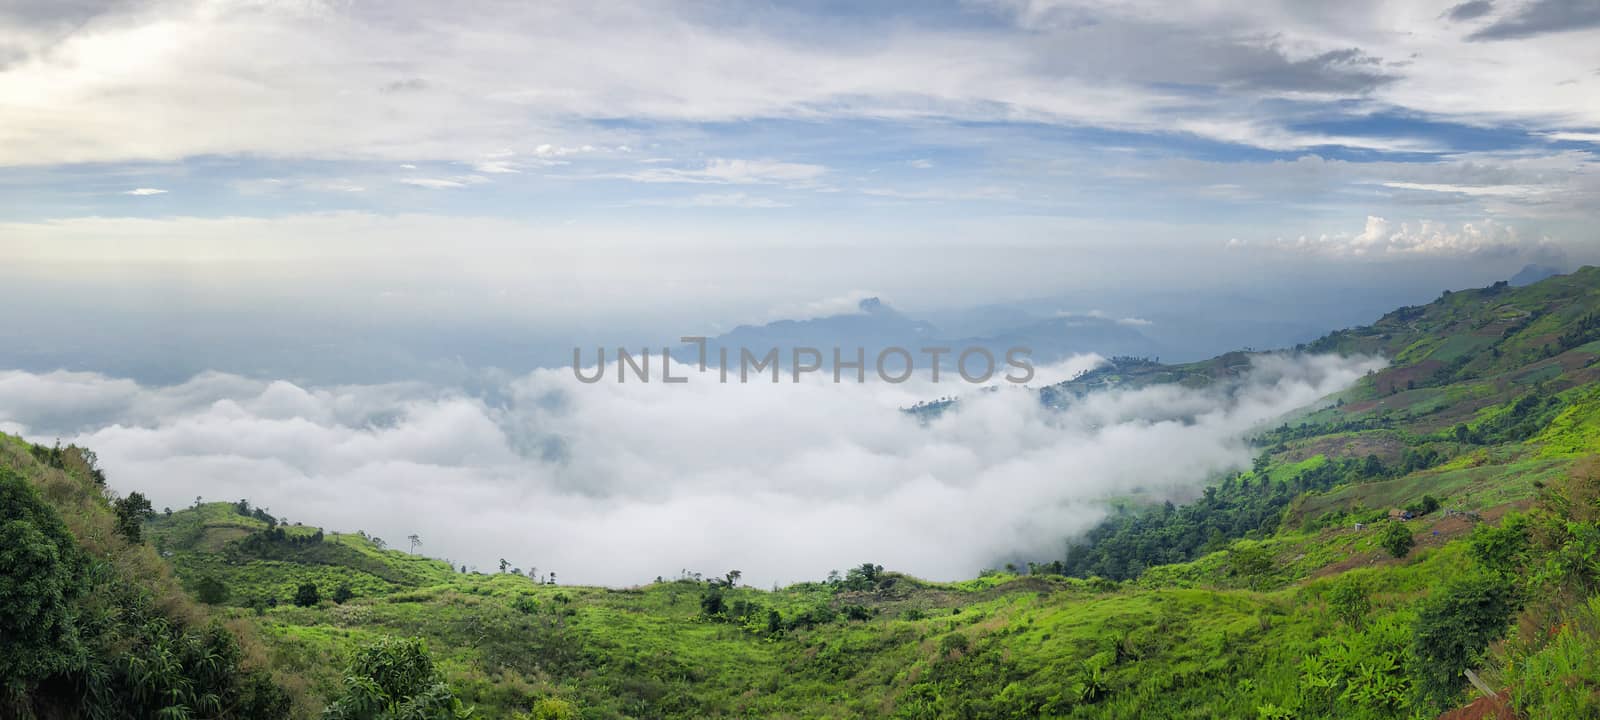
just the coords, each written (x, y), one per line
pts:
(1387, 449)
(1396, 379)
(1484, 708)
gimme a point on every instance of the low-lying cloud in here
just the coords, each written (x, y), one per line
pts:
(618, 483)
(1381, 238)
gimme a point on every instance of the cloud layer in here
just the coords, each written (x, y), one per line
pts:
(164, 80)
(618, 483)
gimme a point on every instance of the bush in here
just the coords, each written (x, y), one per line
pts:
(343, 593)
(553, 709)
(1397, 539)
(392, 679)
(307, 595)
(1502, 548)
(1349, 601)
(1453, 627)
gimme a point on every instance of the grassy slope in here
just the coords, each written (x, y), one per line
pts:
(1197, 639)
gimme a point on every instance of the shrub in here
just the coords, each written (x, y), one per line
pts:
(395, 678)
(307, 595)
(1454, 626)
(1349, 601)
(553, 709)
(1397, 539)
(211, 591)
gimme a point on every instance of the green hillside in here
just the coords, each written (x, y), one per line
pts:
(1443, 515)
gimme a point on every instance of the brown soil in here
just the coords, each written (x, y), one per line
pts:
(1497, 707)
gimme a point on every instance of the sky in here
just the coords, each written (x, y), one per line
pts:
(447, 197)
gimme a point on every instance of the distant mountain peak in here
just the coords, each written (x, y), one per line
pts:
(1532, 273)
(871, 305)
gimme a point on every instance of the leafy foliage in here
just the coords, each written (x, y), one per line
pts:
(394, 679)
(42, 569)
(1453, 628)
(1397, 539)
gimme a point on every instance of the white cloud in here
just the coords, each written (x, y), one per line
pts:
(445, 183)
(144, 191)
(616, 483)
(715, 200)
(984, 192)
(1513, 191)
(496, 167)
(736, 172)
(1587, 137)
(161, 81)
(1103, 315)
(1383, 238)
(847, 304)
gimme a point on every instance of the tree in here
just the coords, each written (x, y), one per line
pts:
(1397, 539)
(416, 542)
(504, 565)
(1426, 505)
(343, 593)
(307, 595)
(211, 591)
(733, 577)
(41, 567)
(712, 603)
(395, 679)
(132, 511)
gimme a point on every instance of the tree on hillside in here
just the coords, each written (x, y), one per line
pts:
(132, 511)
(712, 603)
(307, 596)
(1249, 560)
(211, 591)
(41, 567)
(416, 542)
(733, 577)
(343, 593)
(505, 565)
(1397, 539)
